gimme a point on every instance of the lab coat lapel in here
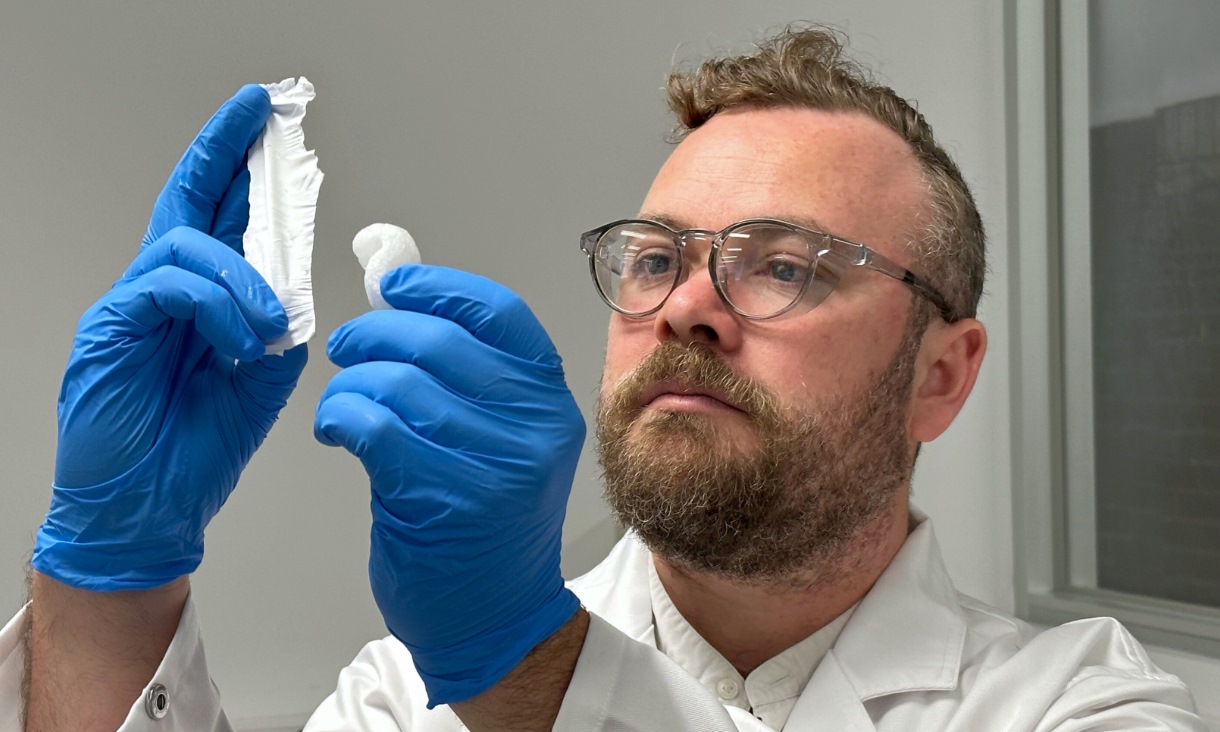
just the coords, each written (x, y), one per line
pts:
(830, 703)
(907, 634)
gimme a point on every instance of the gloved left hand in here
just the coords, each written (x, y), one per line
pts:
(167, 393)
(455, 403)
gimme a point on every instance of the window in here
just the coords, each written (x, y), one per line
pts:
(1117, 360)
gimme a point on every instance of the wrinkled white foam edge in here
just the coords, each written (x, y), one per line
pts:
(284, 183)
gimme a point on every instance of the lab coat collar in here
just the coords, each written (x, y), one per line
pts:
(617, 590)
(907, 634)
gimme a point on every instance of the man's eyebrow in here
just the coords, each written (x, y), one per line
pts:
(678, 223)
(807, 222)
(674, 222)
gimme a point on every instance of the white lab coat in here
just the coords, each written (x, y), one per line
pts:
(915, 655)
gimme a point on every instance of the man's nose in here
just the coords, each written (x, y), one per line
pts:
(694, 311)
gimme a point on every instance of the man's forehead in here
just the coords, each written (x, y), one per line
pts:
(795, 133)
(839, 172)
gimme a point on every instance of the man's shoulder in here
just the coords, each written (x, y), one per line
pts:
(923, 655)
(988, 626)
(1088, 647)
(1092, 646)
(1091, 668)
(994, 635)
(915, 634)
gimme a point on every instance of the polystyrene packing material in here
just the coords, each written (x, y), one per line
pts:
(284, 183)
(380, 248)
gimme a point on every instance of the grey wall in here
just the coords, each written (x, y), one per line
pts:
(494, 131)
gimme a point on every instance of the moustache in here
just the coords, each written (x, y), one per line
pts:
(697, 366)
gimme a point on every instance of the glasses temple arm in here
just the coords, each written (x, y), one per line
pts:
(866, 257)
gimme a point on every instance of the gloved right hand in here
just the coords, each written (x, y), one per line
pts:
(167, 393)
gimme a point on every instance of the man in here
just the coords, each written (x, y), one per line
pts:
(794, 314)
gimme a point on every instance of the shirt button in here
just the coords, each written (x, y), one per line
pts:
(727, 689)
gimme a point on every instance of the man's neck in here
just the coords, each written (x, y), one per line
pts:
(750, 623)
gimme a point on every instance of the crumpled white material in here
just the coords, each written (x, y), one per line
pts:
(284, 183)
(380, 248)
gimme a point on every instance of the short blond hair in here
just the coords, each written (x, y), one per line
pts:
(806, 66)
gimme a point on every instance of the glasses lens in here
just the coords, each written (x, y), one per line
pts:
(636, 265)
(764, 269)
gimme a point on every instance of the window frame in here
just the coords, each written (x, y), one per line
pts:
(1046, 54)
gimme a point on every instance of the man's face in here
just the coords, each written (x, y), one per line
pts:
(752, 448)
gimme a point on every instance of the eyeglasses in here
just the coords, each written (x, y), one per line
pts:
(761, 268)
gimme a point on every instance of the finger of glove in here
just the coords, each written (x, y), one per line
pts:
(490, 311)
(366, 429)
(403, 469)
(233, 214)
(441, 347)
(200, 254)
(268, 382)
(150, 299)
(422, 403)
(198, 183)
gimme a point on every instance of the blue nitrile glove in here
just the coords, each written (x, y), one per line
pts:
(156, 419)
(455, 403)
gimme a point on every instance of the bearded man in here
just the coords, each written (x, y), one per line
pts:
(794, 314)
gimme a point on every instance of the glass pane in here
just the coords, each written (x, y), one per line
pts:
(1154, 169)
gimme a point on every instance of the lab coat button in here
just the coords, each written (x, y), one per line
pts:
(156, 701)
(727, 689)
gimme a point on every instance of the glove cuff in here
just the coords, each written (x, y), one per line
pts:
(105, 566)
(464, 670)
(107, 550)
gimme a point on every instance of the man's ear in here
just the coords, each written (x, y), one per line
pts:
(947, 368)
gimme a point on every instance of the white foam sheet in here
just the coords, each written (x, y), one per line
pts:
(284, 183)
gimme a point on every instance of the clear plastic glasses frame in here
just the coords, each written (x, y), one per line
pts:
(823, 259)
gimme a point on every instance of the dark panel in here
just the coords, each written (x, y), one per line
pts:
(1156, 310)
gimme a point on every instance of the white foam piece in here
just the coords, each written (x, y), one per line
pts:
(380, 248)
(284, 183)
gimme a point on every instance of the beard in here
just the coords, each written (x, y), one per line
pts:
(780, 510)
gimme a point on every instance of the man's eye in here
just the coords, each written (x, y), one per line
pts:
(786, 271)
(652, 264)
